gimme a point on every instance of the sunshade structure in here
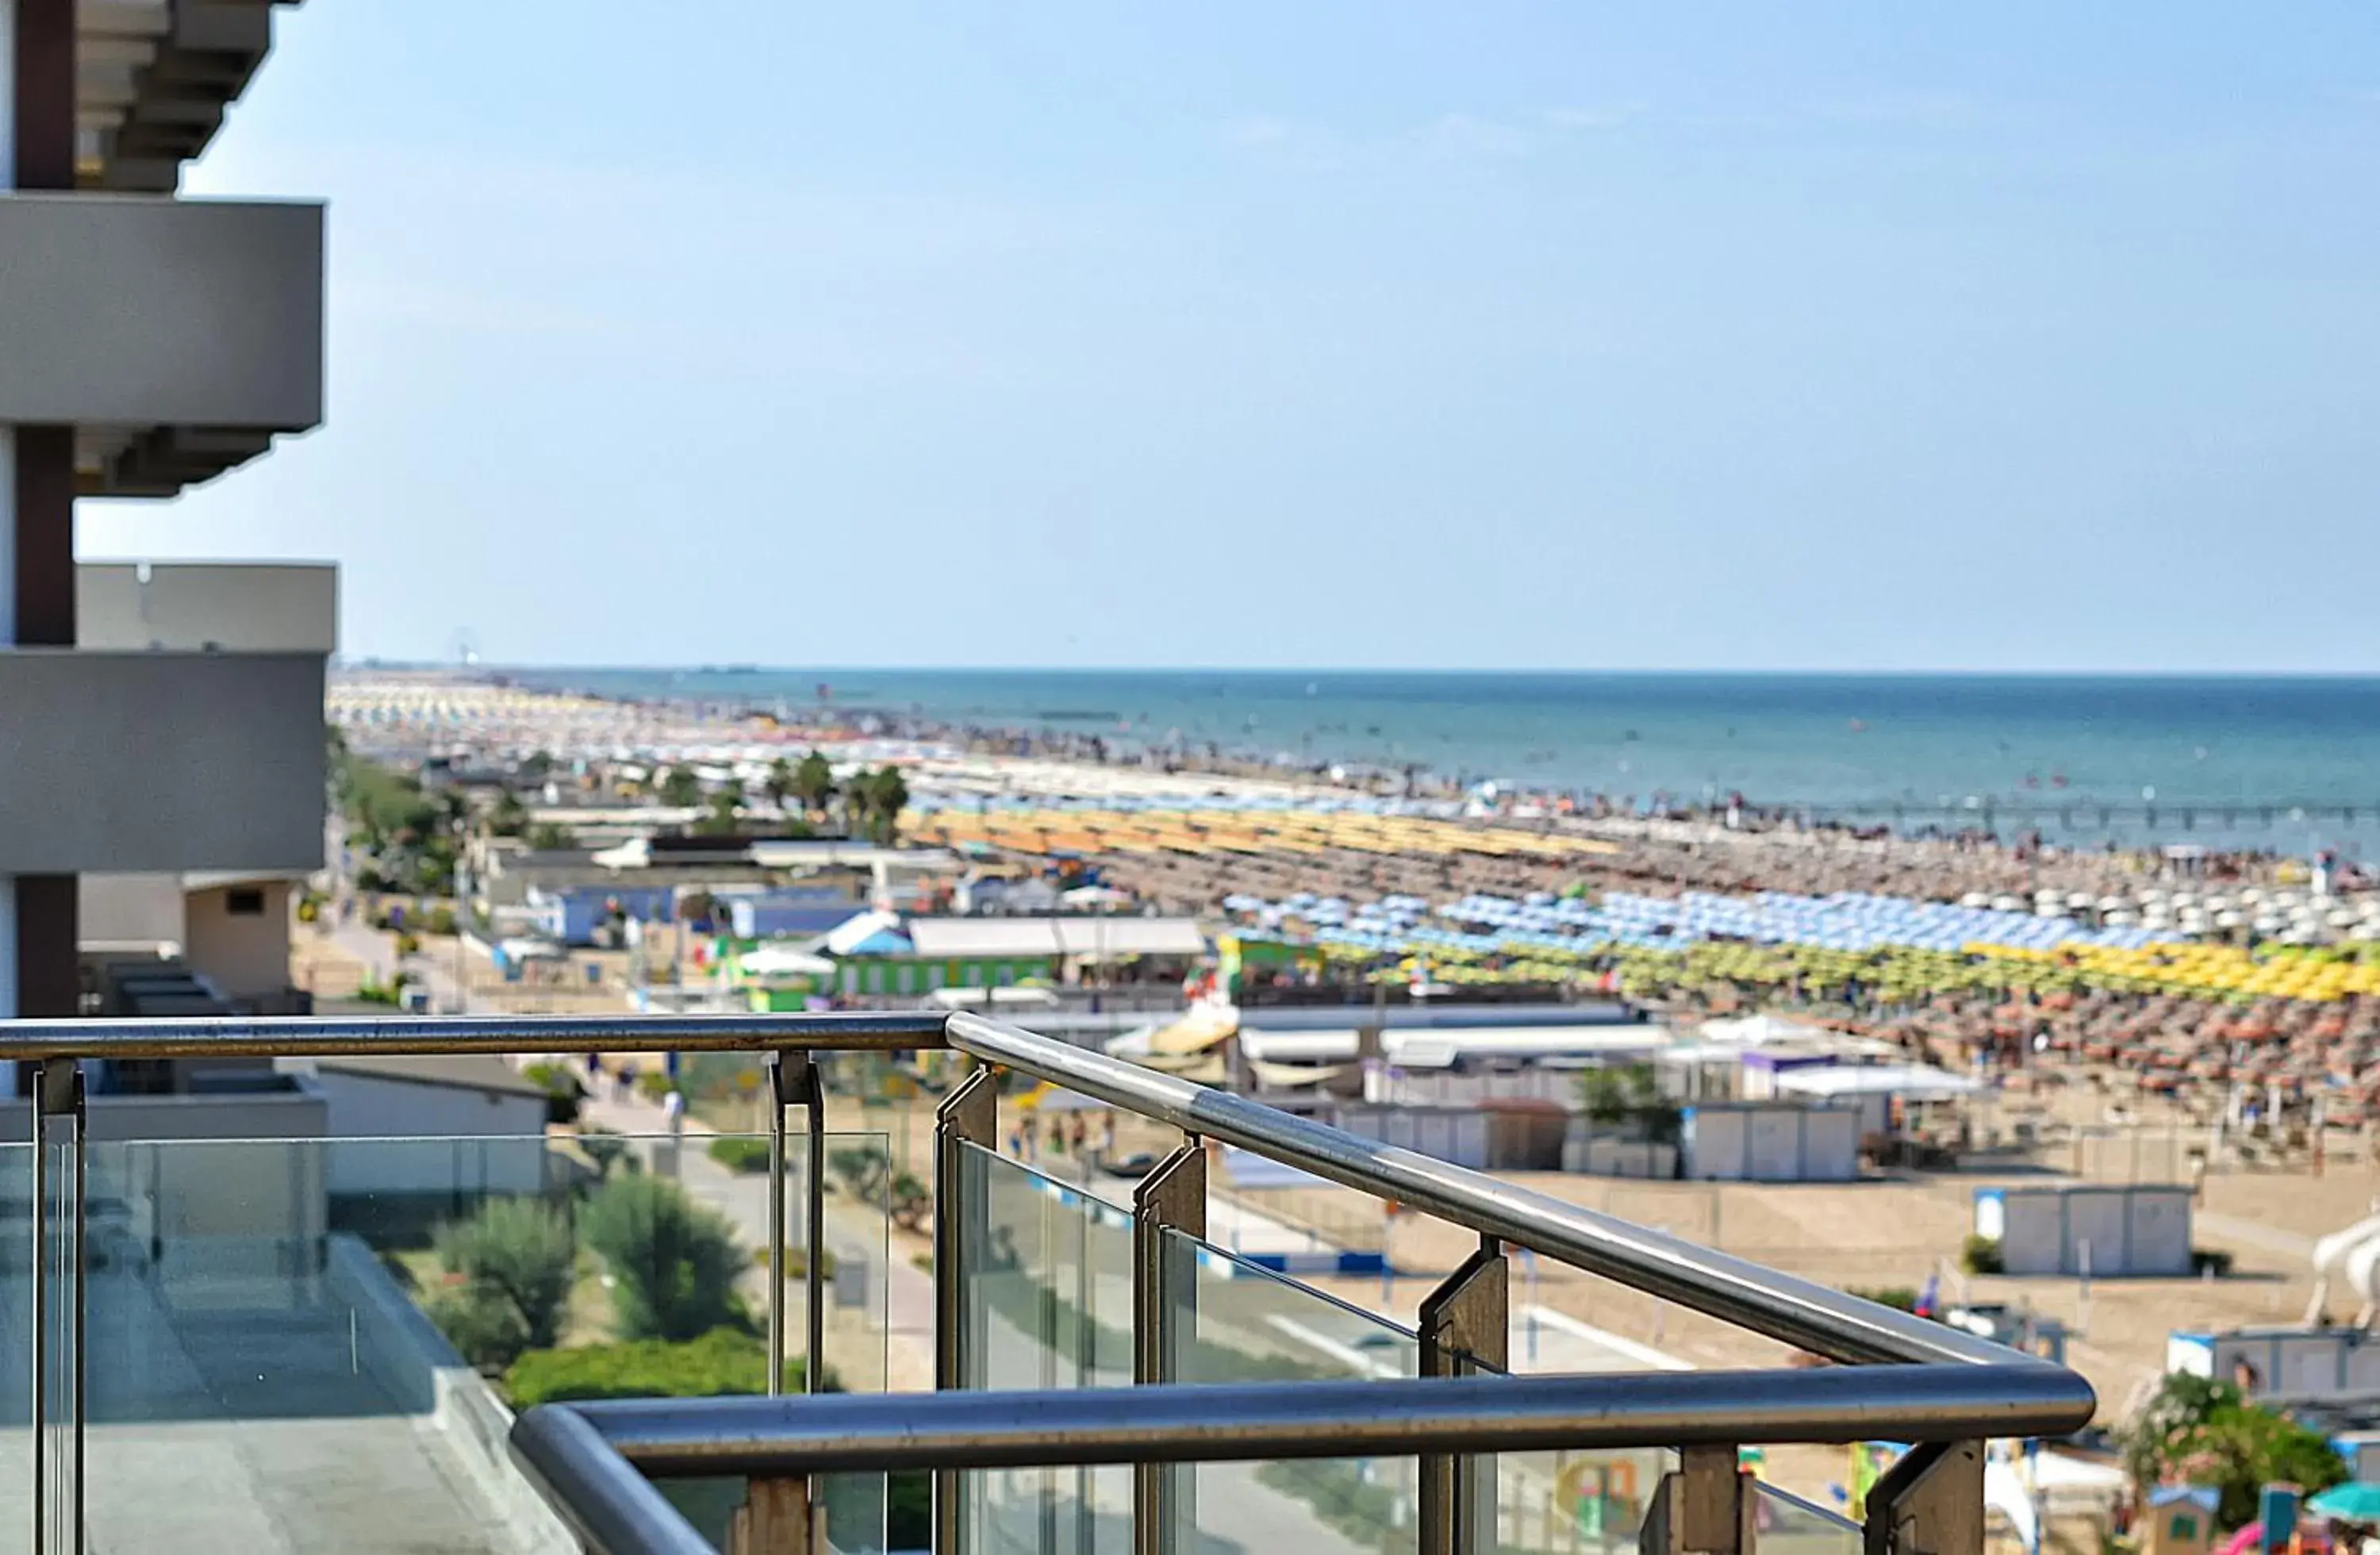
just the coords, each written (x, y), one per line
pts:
(1915, 1082)
(2358, 1500)
(1055, 829)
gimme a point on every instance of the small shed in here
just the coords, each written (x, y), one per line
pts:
(2109, 1232)
(2301, 1361)
(1769, 1142)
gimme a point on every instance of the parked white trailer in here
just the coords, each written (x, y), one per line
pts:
(2109, 1232)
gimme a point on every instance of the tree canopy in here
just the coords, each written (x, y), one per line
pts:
(2196, 1431)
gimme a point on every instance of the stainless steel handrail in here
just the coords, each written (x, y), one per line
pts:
(611, 1508)
(1920, 1380)
(1167, 1423)
(1817, 1319)
(594, 1460)
(323, 1036)
(1825, 1321)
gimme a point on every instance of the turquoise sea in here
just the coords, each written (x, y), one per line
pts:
(2291, 764)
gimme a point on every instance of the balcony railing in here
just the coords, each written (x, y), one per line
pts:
(1098, 1367)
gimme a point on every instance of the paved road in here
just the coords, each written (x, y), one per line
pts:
(2255, 1234)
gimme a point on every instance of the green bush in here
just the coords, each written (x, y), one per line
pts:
(564, 1094)
(860, 1171)
(482, 1326)
(2199, 1429)
(1901, 1298)
(797, 1262)
(442, 921)
(655, 1083)
(739, 1154)
(673, 1262)
(725, 1360)
(1980, 1254)
(515, 1259)
(606, 1148)
(909, 1510)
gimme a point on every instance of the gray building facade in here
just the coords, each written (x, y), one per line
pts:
(147, 343)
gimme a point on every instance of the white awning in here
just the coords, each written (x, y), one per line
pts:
(1097, 937)
(1299, 1047)
(1427, 1048)
(1916, 1081)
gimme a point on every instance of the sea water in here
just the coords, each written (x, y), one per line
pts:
(2291, 764)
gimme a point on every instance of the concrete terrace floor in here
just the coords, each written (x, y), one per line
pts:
(236, 1430)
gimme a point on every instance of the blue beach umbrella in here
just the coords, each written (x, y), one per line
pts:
(2358, 1500)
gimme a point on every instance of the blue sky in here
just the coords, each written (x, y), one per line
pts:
(2017, 336)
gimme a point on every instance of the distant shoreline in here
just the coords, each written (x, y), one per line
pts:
(725, 704)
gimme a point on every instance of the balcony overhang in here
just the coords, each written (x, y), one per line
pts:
(178, 337)
(153, 79)
(161, 763)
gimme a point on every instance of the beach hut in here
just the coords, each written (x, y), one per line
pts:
(2179, 1520)
(2300, 1362)
(1769, 1142)
(2135, 1230)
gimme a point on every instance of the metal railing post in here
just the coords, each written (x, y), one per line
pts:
(58, 1093)
(1465, 1325)
(1703, 1507)
(968, 1115)
(794, 1081)
(775, 1064)
(778, 1517)
(1171, 1198)
(1931, 1502)
(813, 1098)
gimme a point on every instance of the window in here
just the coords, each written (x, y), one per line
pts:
(244, 902)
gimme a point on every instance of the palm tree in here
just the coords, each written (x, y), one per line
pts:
(887, 793)
(814, 784)
(778, 785)
(721, 822)
(680, 787)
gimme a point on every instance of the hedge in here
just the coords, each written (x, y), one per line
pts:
(722, 1361)
(738, 1153)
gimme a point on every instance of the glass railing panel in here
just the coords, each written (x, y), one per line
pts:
(1786, 1525)
(57, 1328)
(867, 1193)
(1048, 1305)
(18, 1261)
(294, 1342)
(1250, 1323)
(1591, 1503)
